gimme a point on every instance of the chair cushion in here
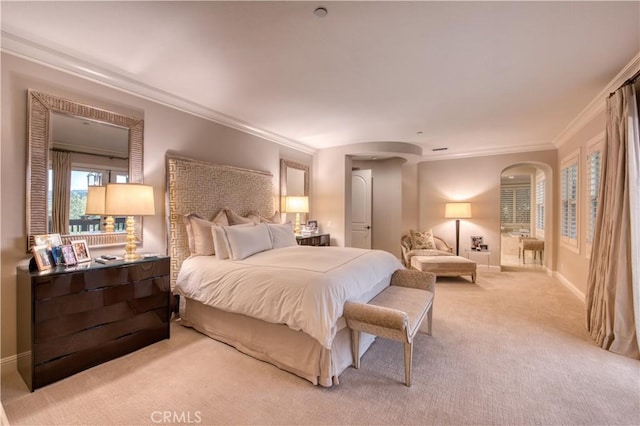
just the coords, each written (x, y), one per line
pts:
(443, 264)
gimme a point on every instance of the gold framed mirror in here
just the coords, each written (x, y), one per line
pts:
(39, 198)
(294, 180)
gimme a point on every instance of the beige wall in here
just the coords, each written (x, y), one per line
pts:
(476, 180)
(571, 266)
(331, 192)
(165, 130)
(386, 201)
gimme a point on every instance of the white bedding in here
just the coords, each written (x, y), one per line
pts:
(304, 287)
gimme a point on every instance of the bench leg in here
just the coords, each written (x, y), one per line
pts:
(355, 347)
(473, 277)
(408, 353)
(430, 319)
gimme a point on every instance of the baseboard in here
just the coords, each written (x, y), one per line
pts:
(9, 363)
(572, 288)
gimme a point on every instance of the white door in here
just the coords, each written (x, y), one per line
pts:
(361, 209)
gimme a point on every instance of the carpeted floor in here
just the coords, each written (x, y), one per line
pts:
(509, 350)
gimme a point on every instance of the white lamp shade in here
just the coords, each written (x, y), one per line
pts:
(95, 200)
(297, 204)
(129, 199)
(457, 210)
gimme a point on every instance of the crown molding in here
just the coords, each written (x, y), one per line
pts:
(598, 104)
(34, 52)
(492, 151)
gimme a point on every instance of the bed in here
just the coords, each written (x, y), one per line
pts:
(283, 304)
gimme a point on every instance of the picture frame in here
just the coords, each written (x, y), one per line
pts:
(81, 251)
(484, 247)
(476, 241)
(312, 224)
(68, 256)
(42, 256)
(51, 240)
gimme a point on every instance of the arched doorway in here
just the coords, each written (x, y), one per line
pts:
(526, 213)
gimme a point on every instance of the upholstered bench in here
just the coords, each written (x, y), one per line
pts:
(396, 313)
(445, 266)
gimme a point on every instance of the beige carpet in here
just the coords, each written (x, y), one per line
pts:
(509, 350)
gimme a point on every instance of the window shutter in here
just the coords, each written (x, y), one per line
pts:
(540, 204)
(594, 185)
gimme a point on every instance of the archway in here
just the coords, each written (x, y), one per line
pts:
(526, 212)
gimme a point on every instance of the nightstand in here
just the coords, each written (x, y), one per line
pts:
(314, 240)
(73, 318)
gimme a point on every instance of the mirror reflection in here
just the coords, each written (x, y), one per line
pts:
(83, 153)
(294, 181)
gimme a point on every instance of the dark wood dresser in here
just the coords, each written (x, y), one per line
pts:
(71, 319)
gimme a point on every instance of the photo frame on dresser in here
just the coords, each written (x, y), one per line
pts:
(68, 256)
(42, 256)
(81, 251)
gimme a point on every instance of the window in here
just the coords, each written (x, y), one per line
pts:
(515, 205)
(569, 193)
(593, 181)
(540, 205)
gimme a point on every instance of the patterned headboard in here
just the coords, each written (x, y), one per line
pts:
(204, 188)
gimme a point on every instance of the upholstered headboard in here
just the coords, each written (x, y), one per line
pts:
(204, 188)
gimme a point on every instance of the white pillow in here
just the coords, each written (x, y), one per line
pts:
(220, 242)
(282, 235)
(199, 234)
(247, 240)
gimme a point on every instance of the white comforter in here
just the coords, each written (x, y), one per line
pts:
(303, 287)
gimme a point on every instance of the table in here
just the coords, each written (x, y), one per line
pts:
(483, 252)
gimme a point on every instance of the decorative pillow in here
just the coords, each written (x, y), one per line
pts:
(199, 234)
(235, 219)
(441, 245)
(221, 218)
(422, 240)
(245, 241)
(282, 235)
(258, 218)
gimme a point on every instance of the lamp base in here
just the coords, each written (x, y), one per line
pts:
(130, 247)
(296, 228)
(108, 224)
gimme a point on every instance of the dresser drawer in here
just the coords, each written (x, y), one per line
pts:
(49, 286)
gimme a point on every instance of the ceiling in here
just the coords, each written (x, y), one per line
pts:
(472, 77)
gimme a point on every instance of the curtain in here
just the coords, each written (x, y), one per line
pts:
(61, 165)
(612, 299)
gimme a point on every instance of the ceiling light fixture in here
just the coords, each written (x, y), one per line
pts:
(320, 12)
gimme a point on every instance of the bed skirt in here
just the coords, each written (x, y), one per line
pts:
(277, 344)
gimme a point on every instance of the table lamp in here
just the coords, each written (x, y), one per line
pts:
(457, 211)
(297, 205)
(95, 205)
(129, 199)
